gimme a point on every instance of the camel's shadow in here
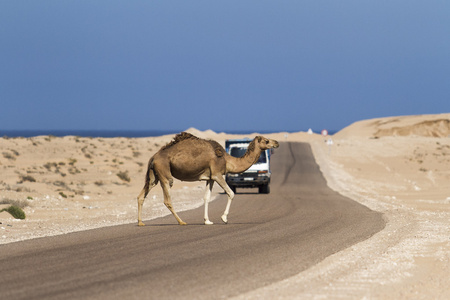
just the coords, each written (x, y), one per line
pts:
(200, 224)
(242, 193)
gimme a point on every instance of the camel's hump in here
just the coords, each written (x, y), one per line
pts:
(218, 149)
(178, 138)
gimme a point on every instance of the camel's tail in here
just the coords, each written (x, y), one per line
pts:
(150, 178)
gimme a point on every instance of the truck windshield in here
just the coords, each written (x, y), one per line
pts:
(239, 152)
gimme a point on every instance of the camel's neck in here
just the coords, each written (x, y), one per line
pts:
(240, 164)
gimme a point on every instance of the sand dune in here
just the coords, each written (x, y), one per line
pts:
(422, 125)
(429, 128)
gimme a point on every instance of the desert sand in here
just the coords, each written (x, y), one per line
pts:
(399, 166)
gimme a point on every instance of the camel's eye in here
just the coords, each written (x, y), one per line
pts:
(267, 142)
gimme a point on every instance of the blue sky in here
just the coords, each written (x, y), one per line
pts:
(221, 65)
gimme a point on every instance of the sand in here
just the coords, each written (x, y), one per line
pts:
(398, 165)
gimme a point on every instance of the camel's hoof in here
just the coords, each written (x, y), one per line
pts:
(182, 223)
(208, 222)
(224, 219)
(141, 224)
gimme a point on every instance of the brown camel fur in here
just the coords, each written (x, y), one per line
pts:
(189, 158)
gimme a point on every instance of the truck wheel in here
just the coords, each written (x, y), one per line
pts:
(264, 189)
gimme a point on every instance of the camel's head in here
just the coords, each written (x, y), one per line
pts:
(265, 143)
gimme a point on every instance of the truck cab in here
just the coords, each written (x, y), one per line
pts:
(257, 176)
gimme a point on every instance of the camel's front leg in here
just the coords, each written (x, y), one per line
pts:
(165, 186)
(207, 198)
(223, 184)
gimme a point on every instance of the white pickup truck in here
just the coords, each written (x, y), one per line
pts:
(258, 175)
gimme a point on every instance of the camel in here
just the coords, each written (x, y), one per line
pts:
(189, 158)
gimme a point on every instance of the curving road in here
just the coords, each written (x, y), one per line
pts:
(268, 238)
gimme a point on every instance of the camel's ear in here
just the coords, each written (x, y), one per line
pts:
(258, 138)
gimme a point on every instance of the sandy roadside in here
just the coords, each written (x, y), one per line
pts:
(406, 178)
(73, 184)
(389, 165)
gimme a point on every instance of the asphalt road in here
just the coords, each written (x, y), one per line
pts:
(268, 238)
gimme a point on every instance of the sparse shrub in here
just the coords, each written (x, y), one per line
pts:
(51, 165)
(60, 184)
(124, 176)
(18, 189)
(49, 138)
(74, 171)
(99, 183)
(18, 203)
(79, 192)
(8, 155)
(29, 178)
(15, 211)
(63, 195)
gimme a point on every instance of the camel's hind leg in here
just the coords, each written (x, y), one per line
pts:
(151, 180)
(166, 185)
(141, 199)
(223, 184)
(207, 198)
